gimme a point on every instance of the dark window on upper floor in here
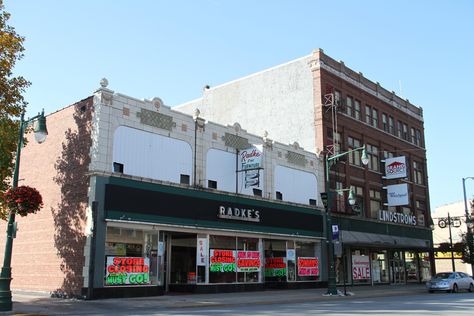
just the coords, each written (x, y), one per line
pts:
(118, 167)
(184, 179)
(384, 122)
(391, 125)
(357, 114)
(257, 192)
(212, 184)
(279, 195)
(349, 106)
(418, 172)
(375, 118)
(312, 202)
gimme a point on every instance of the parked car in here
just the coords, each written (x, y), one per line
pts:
(450, 282)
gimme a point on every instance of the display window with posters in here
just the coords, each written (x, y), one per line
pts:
(130, 257)
(275, 260)
(307, 255)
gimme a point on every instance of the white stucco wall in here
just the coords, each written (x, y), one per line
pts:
(262, 101)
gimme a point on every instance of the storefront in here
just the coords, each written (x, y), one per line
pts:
(157, 239)
(370, 256)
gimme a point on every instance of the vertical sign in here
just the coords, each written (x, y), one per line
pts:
(201, 253)
(335, 232)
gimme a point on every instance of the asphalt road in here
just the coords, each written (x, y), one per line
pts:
(378, 300)
(422, 304)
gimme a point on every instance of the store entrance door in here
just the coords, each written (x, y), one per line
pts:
(397, 268)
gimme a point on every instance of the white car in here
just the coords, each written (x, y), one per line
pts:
(450, 282)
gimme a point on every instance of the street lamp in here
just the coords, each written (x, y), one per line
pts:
(332, 272)
(6, 275)
(469, 237)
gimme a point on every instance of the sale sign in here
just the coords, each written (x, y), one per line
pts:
(222, 261)
(360, 267)
(127, 271)
(308, 266)
(248, 261)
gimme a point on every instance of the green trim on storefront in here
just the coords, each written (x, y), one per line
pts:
(232, 198)
(374, 227)
(155, 219)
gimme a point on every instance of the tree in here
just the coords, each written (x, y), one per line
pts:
(12, 103)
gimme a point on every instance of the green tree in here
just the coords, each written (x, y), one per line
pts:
(12, 103)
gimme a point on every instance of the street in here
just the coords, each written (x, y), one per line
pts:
(423, 304)
(404, 300)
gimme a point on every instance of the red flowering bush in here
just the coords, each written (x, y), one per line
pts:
(23, 200)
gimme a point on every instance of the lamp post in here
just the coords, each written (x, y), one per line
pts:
(6, 275)
(332, 272)
(469, 237)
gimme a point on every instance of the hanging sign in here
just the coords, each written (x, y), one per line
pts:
(395, 168)
(201, 253)
(397, 194)
(127, 271)
(248, 261)
(308, 266)
(222, 261)
(251, 158)
(360, 267)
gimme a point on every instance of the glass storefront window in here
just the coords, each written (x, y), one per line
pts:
(380, 267)
(275, 260)
(130, 257)
(307, 261)
(222, 259)
(248, 260)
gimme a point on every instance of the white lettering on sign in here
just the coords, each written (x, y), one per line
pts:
(399, 218)
(241, 214)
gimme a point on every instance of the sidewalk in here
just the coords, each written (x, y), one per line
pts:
(41, 304)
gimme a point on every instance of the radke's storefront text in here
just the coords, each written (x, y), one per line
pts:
(176, 239)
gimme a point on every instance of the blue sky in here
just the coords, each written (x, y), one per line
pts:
(420, 49)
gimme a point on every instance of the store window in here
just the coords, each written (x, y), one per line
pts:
(131, 249)
(411, 266)
(380, 267)
(248, 260)
(276, 264)
(222, 256)
(307, 261)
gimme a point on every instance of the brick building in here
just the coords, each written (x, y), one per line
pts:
(331, 109)
(140, 199)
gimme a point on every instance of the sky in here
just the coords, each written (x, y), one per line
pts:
(421, 49)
